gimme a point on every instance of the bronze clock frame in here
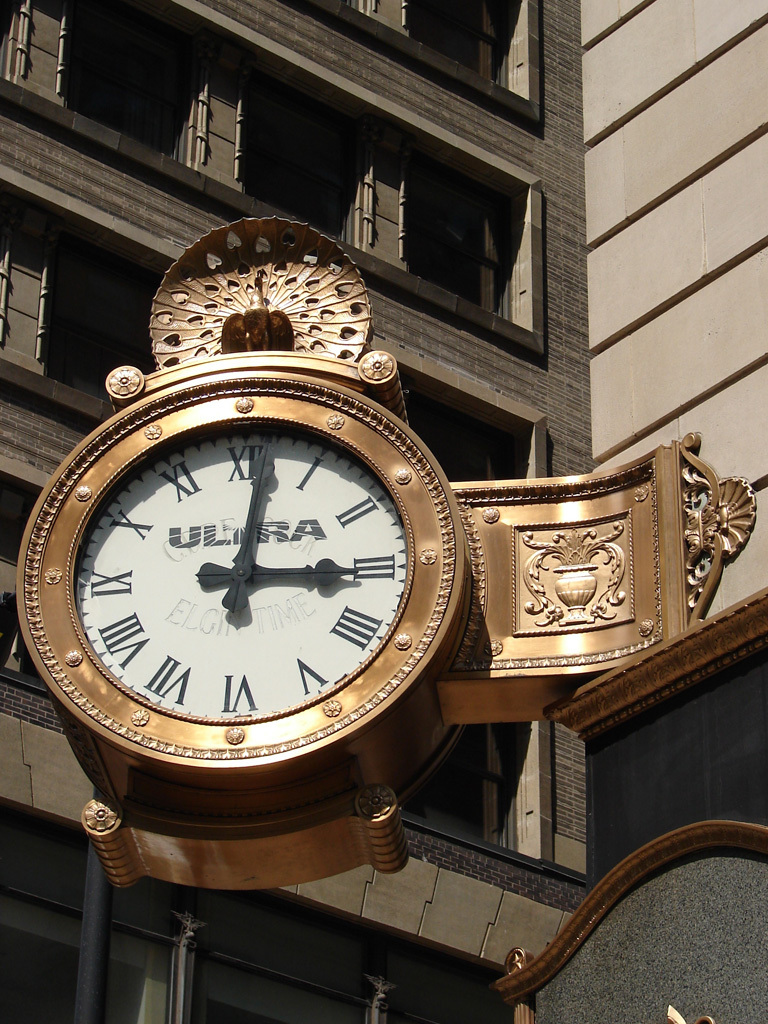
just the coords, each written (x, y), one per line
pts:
(179, 790)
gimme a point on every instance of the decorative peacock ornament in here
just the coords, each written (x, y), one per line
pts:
(260, 285)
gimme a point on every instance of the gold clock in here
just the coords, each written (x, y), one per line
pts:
(241, 590)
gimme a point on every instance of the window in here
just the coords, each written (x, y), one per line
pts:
(454, 234)
(297, 156)
(15, 506)
(100, 314)
(126, 73)
(465, 447)
(473, 34)
(471, 795)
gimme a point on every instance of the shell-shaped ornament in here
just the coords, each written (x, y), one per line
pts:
(736, 513)
(256, 285)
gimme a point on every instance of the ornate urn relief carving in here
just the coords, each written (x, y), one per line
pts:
(575, 574)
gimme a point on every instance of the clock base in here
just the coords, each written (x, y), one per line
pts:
(359, 828)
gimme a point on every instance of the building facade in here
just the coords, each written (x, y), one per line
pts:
(441, 145)
(677, 215)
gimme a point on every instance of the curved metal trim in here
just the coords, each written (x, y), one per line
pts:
(526, 976)
(663, 672)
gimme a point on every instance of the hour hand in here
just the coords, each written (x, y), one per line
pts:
(211, 575)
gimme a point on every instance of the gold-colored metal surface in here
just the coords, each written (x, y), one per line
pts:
(673, 1017)
(719, 517)
(274, 781)
(260, 266)
(523, 979)
(513, 593)
(573, 576)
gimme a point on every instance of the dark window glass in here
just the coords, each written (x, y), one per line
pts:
(296, 158)
(15, 506)
(470, 794)
(454, 232)
(126, 73)
(466, 448)
(100, 317)
(473, 34)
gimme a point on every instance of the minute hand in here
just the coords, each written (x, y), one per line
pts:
(236, 596)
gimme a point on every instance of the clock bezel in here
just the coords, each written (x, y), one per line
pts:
(179, 441)
(431, 610)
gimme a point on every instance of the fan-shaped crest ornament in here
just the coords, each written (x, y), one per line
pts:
(259, 285)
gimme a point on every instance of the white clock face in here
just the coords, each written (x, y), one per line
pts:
(243, 575)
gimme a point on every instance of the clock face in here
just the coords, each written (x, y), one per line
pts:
(242, 575)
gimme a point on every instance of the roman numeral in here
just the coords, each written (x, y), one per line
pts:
(357, 512)
(103, 586)
(305, 671)
(162, 682)
(356, 627)
(119, 637)
(181, 479)
(375, 568)
(123, 520)
(308, 474)
(243, 690)
(250, 451)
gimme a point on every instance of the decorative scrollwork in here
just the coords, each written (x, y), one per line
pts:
(583, 556)
(718, 518)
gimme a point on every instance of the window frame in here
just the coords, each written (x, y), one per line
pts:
(154, 35)
(500, 229)
(497, 41)
(302, 105)
(119, 267)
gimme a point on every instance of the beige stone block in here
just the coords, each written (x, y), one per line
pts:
(387, 202)
(736, 204)
(222, 118)
(730, 422)
(717, 22)
(24, 292)
(22, 334)
(221, 158)
(605, 189)
(626, 7)
(398, 900)
(59, 786)
(570, 853)
(612, 386)
(686, 131)
(15, 777)
(645, 265)
(639, 449)
(45, 28)
(42, 69)
(343, 892)
(461, 912)
(712, 335)
(521, 922)
(733, 424)
(635, 62)
(597, 16)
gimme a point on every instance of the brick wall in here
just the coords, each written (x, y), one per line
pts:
(569, 784)
(540, 885)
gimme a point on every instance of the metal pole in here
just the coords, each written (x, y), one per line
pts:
(91, 997)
